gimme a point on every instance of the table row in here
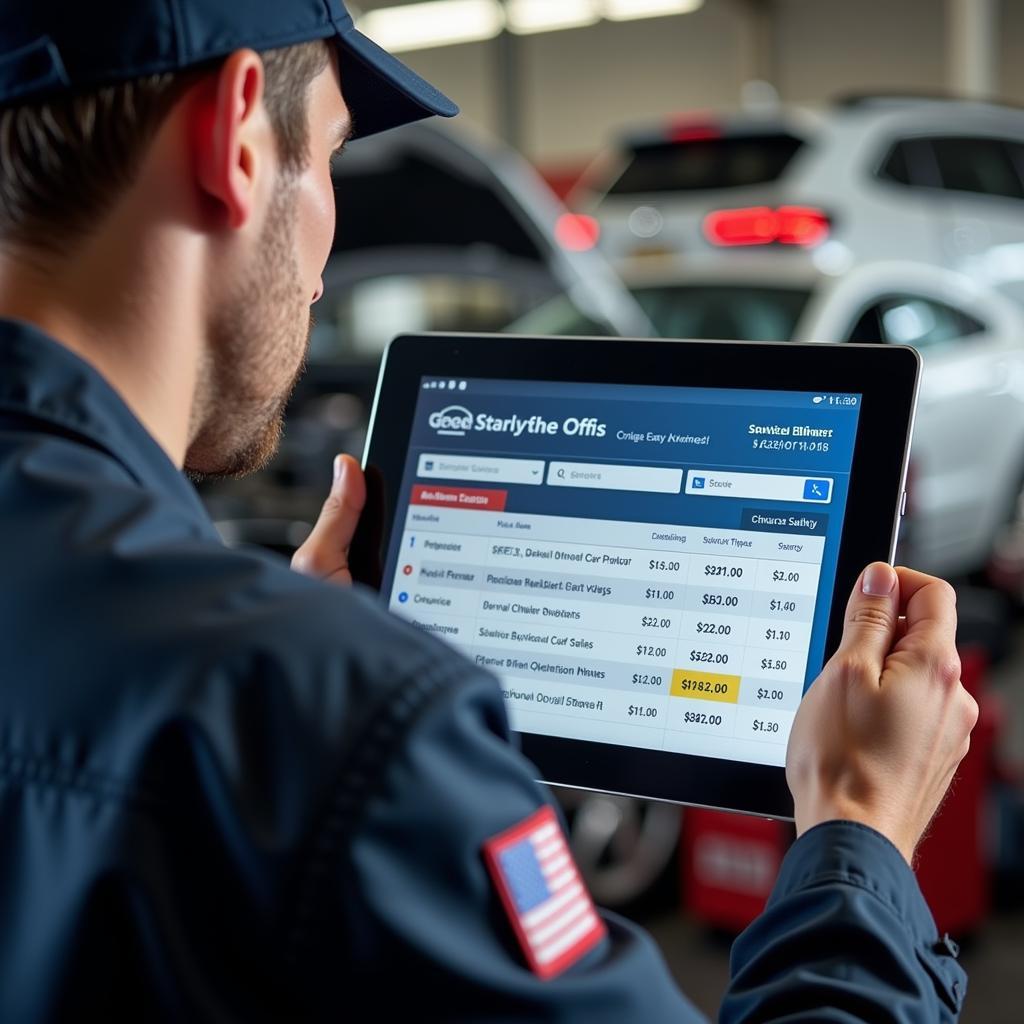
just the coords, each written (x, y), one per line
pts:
(695, 684)
(607, 590)
(788, 576)
(637, 653)
(469, 525)
(657, 716)
(708, 626)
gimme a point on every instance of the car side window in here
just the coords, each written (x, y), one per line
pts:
(910, 162)
(983, 166)
(896, 165)
(913, 320)
(868, 329)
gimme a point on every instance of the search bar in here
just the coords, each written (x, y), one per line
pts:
(503, 471)
(615, 478)
(816, 490)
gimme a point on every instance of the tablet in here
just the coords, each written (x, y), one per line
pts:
(650, 543)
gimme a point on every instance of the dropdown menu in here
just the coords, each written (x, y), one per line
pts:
(467, 467)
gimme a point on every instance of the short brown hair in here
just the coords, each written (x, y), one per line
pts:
(65, 161)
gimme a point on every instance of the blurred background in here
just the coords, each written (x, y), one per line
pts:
(814, 170)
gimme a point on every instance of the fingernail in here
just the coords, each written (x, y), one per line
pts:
(879, 580)
(339, 469)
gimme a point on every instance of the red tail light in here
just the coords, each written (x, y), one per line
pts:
(756, 225)
(577, 232)
(697, 126)
(761, 225)
(802, 225)
(694, 133)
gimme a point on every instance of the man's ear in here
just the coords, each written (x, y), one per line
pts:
(232, 135)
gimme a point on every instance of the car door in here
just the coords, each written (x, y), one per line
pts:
(972, 184)
(968, 450)
(982, 181)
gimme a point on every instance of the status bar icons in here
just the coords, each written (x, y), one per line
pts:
(445, 385)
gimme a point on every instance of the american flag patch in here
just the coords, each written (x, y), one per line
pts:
(550, 908)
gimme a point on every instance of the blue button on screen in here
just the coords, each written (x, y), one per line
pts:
(817, 490)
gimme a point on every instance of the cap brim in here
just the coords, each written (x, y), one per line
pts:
(381, 91)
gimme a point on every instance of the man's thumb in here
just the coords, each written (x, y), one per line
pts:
(872, 614)
(325, 551)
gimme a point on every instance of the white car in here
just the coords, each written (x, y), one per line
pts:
(930, 181)
(439, 230)
(967, 460)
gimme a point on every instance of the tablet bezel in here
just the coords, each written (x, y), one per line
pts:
(887, 378)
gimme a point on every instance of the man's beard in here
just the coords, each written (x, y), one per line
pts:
(251, 371)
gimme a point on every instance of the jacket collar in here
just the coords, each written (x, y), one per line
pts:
(42, 381)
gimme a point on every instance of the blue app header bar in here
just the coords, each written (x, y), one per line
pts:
(670, 426)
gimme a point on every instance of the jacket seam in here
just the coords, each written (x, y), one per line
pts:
(43, 426)
(26, 771)
(846, 878)
(358, 777)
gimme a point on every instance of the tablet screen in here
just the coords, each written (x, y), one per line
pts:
(650, 567)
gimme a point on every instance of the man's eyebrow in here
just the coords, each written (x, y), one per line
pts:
(343, 131)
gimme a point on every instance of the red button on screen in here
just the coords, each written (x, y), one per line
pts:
(460, 497)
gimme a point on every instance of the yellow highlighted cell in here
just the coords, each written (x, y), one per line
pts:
(705, 686)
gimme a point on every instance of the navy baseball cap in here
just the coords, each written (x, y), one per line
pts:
(49, 47)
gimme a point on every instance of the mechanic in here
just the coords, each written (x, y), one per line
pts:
(232, 791)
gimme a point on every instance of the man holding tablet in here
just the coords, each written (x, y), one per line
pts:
(233, 792)
(653, 559)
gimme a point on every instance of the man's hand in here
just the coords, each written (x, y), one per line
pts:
(325, 553)
(883, 729)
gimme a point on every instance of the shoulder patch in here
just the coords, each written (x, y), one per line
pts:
(547, 902)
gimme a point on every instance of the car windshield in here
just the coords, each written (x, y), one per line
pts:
(560, 316)
(729, 162)
(406, 199)
(730, 312)
(356, 318)
(727, 312)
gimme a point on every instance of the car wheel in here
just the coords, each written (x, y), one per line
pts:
(625, 848)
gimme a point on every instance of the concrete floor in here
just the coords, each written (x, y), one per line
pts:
(994, 958)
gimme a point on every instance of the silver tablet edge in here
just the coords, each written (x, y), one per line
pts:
(901, 496)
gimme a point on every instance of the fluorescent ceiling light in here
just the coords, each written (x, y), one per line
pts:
(435, 23)
(628, 10)
(529, 16)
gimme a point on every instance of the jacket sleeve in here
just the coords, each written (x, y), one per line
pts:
(408, 915)
(846, 936)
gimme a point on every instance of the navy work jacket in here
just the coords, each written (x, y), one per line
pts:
(229, 793)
